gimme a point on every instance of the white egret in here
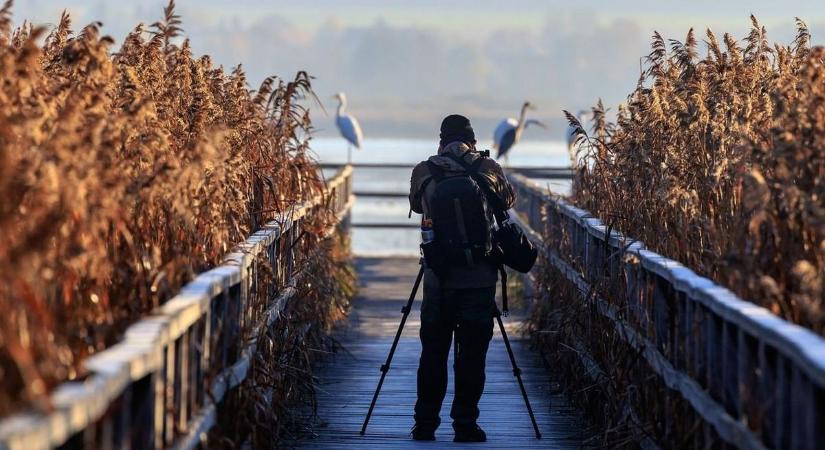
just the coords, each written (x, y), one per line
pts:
(570, 137)
(348, 126)
(508, 132)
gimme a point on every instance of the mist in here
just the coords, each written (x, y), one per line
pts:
(403, 69)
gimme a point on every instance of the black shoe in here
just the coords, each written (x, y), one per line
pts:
(423, 433)
(469, 433)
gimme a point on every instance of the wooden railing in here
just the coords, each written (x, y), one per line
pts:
(542, 172)
(549, 172)
(751, 379)
(160, 386)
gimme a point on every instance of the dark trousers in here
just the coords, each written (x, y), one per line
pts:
(469, 313)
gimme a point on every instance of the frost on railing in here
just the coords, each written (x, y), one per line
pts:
(160, 385)
(747, 377)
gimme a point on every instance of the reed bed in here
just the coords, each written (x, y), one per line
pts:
(719, 162)
(123, 173)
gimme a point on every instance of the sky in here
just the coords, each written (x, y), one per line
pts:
(406, 64)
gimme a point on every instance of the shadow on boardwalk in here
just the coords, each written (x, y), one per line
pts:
(348, 379)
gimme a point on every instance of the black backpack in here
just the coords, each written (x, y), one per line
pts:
(460, 221)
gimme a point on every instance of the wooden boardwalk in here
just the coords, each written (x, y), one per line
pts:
(348, 379)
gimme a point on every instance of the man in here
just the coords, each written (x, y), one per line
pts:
(462, 301)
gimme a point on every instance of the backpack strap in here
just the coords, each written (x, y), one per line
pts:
(473, 169)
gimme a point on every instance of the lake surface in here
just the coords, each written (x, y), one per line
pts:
(395, 241)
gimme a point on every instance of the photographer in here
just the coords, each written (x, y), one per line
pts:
(458, 191)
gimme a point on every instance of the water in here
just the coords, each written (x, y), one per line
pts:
(395, 241)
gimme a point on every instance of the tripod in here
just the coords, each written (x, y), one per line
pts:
(406, 312)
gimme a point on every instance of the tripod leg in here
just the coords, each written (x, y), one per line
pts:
(386, 366)
(517, 374)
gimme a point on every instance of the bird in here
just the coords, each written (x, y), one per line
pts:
(348, 126)
(508, 132)
(570, 137)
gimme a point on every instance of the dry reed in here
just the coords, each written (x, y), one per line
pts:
(719, 163)
(122, 175)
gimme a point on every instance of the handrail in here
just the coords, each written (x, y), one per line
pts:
(153, 390)
(756, 379)
(548, 172)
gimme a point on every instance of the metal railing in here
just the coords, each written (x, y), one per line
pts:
(549, 172)
(753, 379)
(159, 387)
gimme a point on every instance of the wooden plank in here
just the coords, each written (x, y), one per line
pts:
(348, 378)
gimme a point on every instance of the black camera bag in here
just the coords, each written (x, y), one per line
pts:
(512, 247)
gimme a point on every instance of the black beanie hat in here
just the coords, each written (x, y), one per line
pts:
(456, 127)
